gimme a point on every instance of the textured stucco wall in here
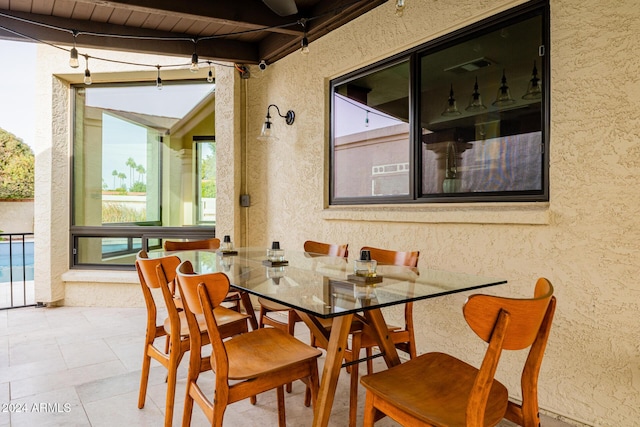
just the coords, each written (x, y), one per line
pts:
(16, 216)
(586, 240)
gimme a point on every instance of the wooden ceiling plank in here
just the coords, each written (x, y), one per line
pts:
(137, 19)
(43, 7)
(20, 5)
(119, 16)
(221, 49)
(63, 8)
(83, 11)
(101, 13)
(251, 14)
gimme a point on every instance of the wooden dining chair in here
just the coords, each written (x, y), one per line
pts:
(186, 245)
(266, 306)
(156, 274)
(235, 298)
(402, 337)
(246, 364)
(436, 389)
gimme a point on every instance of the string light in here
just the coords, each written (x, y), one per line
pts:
(304, 49)
(193, 66)
(158, 79)
(194, 59)
(366, 120)
(210, 75)
(73, 53)
(399, 7)
(87, 73)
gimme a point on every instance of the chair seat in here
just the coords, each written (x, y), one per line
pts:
(224, 316)
(434, 388)
(265, 350)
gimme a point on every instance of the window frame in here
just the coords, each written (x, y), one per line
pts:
(517, 14)
(150, 233)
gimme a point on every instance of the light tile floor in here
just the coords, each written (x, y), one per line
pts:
(71, 366)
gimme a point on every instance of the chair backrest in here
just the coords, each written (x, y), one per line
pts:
(201, 294)
(326, 249)
(509, 324)
(388, 257)
(525, 315)
(147, 269)
(170, 245)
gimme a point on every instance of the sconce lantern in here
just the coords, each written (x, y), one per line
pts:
(266, 133)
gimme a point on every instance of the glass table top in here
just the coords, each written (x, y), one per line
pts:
(320, 285)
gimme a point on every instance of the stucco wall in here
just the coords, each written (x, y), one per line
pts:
(16, 216)
(586, 240)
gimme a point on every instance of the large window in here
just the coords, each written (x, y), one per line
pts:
(133, 167)
(462, 118)
(206, 187)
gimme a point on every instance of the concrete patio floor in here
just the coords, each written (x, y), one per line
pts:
(72, 366)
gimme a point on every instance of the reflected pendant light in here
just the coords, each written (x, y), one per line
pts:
(475, 103)
(503, 97)
(451, 108)
(534, 89)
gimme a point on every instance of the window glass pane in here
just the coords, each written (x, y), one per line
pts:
(107, 250)
(119, 135)
(206, 181)
(480, 114)
(371, 147)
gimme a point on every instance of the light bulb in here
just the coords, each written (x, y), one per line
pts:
(194, 63)
(399, 7)
(87, 77)
(73, 58)
(159, 80)
(305, 45)
(210, 75)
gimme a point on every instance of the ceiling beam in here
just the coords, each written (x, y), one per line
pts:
(327, 16)
(248, 14)
(216, 49)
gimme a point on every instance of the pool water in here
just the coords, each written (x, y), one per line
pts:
(16, 267)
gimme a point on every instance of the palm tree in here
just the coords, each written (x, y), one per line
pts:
(132, 167)
(141, 171)
(115, 175)
(122, 177)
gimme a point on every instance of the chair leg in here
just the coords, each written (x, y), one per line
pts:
(369, 352)
(188, 407)
(369, 410)
(172, 373)
(144, 379)
(282, 419)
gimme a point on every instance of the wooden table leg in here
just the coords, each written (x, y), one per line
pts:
(379, 326)
(248, 306)
(332, 365)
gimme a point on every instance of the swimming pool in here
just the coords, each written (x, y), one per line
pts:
(18, 251)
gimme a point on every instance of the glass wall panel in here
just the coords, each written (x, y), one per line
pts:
(206, 181)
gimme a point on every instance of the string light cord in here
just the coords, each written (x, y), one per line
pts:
(76, 33)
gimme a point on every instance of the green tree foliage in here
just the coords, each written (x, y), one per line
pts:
(17, 166)
(208, 185)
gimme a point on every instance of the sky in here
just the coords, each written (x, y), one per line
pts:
(17, 91)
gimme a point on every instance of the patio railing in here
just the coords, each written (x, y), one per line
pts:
(16, 270)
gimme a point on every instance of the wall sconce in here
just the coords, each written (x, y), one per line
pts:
(266, 133)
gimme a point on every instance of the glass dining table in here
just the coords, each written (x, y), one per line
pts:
(319, 286)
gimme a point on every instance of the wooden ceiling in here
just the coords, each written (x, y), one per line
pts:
(239, 31)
